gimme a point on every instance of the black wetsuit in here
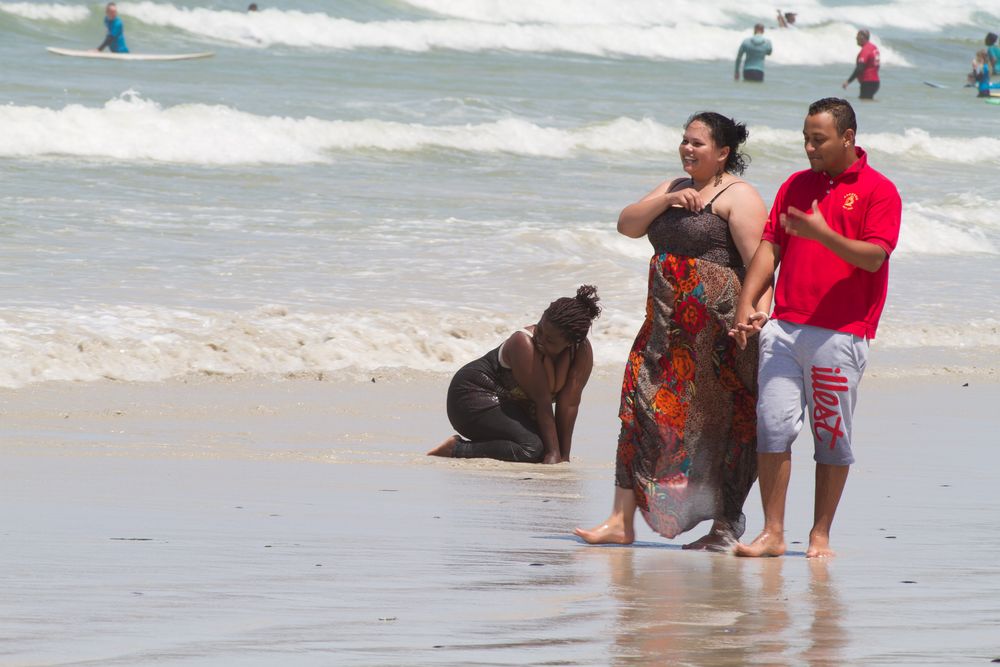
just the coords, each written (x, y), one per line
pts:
(486, 405)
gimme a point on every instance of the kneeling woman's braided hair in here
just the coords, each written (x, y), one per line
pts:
(574, 315)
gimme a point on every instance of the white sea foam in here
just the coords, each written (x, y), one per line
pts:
(261, 27)
(151, 344)
(588, 12)
(665, 40)
(46, 12)
(918, 143)
(131, 128)
(981, 333)
(949, 228)
(922, 15)
(638, 29)
(917, 15)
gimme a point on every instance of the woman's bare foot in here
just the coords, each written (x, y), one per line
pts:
(613, 531)
(446, 448)
(719, 538)
(766, 544)
(713, 541)
(819, 546)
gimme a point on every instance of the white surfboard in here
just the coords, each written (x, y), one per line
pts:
(107, 55)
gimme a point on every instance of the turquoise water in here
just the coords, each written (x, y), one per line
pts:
(349, 185)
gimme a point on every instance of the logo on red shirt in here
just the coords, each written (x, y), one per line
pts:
(849, 200)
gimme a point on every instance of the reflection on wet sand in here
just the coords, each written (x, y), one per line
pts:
(827, 630)
(716, 610)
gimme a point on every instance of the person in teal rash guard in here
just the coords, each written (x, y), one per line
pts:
(115, 39)
(980, 75)
(993, 52)
(755, 49)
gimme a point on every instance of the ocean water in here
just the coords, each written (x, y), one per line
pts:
(351, 185)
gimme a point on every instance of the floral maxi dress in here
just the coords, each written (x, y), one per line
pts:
(688, 410)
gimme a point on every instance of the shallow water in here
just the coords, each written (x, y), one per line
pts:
(401, 183)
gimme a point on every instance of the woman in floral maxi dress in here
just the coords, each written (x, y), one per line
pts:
(687, 448)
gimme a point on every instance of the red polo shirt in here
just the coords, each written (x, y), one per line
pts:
(869, 58)
(816, 287)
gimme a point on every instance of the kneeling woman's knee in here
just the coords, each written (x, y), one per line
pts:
(532, 449)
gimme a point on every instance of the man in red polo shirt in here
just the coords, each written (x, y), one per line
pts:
(866, 69)
(832, 229)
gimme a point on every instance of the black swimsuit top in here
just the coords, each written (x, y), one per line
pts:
(702, 235)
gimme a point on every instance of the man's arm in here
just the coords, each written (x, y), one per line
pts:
(862, 254)
(757, 284)
(860, 67)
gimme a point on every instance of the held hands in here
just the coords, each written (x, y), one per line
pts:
(747, 323)
(688, 198)
(804, 225)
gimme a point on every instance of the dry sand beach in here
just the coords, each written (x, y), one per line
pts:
(297, 522)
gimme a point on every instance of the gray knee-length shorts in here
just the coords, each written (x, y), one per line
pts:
(810, 367)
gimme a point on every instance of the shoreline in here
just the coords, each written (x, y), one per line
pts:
(251, 521)
(255, 416)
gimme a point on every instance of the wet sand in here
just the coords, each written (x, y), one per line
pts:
(297, 522)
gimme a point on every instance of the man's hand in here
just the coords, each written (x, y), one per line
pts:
(804, 225)
(747, 325)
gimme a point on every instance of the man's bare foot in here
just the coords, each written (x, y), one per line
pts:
(765, 544)
(819, 546)
(446, 448)
(610, 532)
(713, 541)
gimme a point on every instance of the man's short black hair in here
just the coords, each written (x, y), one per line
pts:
(840, 109)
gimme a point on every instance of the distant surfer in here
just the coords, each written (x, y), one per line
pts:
(866, 68)
(115, 39)
(252, 7)
(993, 51)
(981, 74)
(786, 19)
(755, 48)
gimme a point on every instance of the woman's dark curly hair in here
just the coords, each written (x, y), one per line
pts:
(574, 315)
(725, 132)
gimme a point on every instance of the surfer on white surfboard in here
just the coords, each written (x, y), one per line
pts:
(115, 39)
(114, 42)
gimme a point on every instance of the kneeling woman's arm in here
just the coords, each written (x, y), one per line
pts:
(568, 399)
(527, 365)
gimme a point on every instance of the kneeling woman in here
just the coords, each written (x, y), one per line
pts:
(502, 403)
